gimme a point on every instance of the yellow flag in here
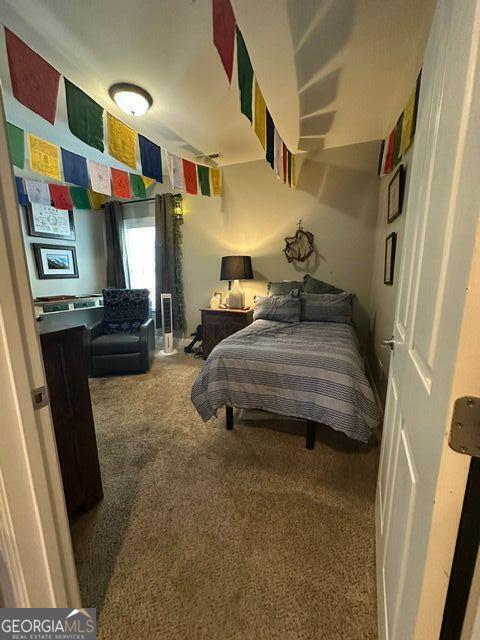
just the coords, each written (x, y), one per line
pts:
(44, 157)
(260, 114)
(216, 181)
(122, 141)
(96, 199)
(147, 181)
(407, 124)
(294, 171)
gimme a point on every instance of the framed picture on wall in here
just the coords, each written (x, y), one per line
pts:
(396, 190)
(55, 261)
(45, 221)
(390, 248)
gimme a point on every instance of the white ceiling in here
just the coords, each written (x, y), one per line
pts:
(333, 72)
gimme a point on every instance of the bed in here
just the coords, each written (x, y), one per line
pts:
(307, 370)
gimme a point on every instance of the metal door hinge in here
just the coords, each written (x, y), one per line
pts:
(465, 428)
(40, 397)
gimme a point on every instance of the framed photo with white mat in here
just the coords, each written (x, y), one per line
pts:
(55, 261)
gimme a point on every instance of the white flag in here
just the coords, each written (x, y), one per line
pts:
(99, 177)
(38, 192)
(278, 155)
(175, 171)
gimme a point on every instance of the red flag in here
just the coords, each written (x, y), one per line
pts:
(224, 33)
(190, 175)
(34, 81)
(284, 163)
(121, 183)
(390, 148)
(61, 196)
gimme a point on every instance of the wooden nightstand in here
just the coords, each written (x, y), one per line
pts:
(221, 323)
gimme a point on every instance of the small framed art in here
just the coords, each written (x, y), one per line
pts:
(55, 261)
(390, 249)
(396, 190)
(45, 221)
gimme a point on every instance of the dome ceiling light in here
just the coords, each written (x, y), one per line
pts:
(132, 99)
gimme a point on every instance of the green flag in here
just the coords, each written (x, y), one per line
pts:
(138, 186)
(79, 197)
(204, 179)
(16, 145)
(398, 141)
(245, 76)
(85, 116)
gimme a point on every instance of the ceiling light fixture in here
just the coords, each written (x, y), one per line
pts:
(132, 99)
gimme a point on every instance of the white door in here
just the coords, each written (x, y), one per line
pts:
(36, 559)
(421, 481)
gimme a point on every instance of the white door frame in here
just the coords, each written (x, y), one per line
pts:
(37, 567)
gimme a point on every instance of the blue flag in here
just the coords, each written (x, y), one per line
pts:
(75, 169)
(151, 158)
(270, 136)
(21, 194)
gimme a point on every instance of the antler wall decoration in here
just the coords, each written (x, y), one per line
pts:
(300, 246)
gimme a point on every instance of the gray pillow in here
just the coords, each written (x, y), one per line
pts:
(284, 288)
(277, 308)
(312, 285)
(327, 307)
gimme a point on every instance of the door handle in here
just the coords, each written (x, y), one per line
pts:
(388, 344)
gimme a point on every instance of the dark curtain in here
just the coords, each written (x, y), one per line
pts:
(168, 261)
(117, 272)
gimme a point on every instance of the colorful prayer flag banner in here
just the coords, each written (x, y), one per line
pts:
(97, 200)
(147, 181)
(122, 141)
(289, 168)
(216, 181)
(245, 76)
(260, 115)
(79, 197)
(121, 183)
(138, 186)
(21, 195)
(294, 171)
(284, 162)
(34, 81)
(151, 158)
(44, 157)
(38, 192)
(16, 145)
(407, 124)
(388, 166)
(224, 33)
(60, 196)
(270, 132)
(75, 168)
(99, 177)
(190, 176)
(204, 179)
(85, 116)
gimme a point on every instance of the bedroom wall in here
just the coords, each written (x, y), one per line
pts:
(383, 297)
(337, 199)
(90, 246)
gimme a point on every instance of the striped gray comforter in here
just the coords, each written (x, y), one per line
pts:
(308, 370)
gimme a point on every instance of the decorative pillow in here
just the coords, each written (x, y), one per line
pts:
(278, 308)
(284, 288)
(312, 285)
(125, 310)
(327, 307)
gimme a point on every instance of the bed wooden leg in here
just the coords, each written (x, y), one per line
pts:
(229, 412)
(310, 439)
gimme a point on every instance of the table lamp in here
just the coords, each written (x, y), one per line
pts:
(236, 268)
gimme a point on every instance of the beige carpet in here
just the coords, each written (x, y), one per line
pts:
(209, 534)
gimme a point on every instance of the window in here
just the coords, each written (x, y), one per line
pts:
(140, 245)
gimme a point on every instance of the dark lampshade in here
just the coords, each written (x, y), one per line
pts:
(236, 268)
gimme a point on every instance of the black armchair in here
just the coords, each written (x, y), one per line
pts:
(124, 341)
